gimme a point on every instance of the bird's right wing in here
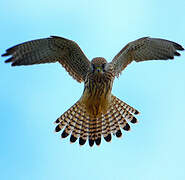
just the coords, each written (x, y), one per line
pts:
(145, 49)
(48, 50)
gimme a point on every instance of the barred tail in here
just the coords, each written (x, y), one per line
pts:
(81, 126)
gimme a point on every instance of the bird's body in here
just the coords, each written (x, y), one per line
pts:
(97, 90)
(98, 112)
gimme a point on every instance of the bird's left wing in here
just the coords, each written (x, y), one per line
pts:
(144, 49)
(48, 50)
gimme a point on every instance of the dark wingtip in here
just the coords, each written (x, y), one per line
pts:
(53, 36)
(64, 134)
(82, 141)
(9, 60)
(178, 47)
(5, 54)
(127, 127)
(108, 138)
(15, 63)
(98, 141)
(73, 139)
(177, 54)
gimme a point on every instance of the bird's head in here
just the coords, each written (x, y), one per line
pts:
(98, 65)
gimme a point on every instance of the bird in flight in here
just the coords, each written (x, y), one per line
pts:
(98, 113)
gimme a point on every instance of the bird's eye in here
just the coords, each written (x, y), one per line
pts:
(103, 66)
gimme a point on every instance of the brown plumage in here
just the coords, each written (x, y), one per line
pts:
(97, 113)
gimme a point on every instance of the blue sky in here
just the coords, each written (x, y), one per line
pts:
(33, 97)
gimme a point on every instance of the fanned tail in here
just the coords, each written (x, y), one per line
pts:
(80, 125)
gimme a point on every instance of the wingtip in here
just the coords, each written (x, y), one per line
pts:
(177, 54)
(178, 46)
(5, 54)
(9, 60)
(14, 64)
(53, 36)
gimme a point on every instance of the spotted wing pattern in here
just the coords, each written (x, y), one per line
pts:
(145, 49)
(49, 50)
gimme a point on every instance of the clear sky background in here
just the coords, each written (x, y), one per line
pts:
(33, 97)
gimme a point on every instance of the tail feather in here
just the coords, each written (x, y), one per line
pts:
(78, 127)
(115, 119)
(125, 110)
(97, 135)
(98, 141)
(79, 124)
(83, 131)
(106, 131)
(124, 106)
(92, 132)
(122, 122)
(95, 130)
(119, 134)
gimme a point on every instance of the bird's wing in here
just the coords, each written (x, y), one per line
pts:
(48, 50)
(144, 49)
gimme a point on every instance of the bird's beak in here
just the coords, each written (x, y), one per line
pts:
(99, 70)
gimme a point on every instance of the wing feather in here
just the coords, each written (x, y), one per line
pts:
(50, 50)
(144, 49)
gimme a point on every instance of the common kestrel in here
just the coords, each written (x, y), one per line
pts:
(98, 112)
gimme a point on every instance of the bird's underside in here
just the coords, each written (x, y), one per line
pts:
(97, 113)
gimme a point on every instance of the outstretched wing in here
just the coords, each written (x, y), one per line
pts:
(49, 50)
(144, 49)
